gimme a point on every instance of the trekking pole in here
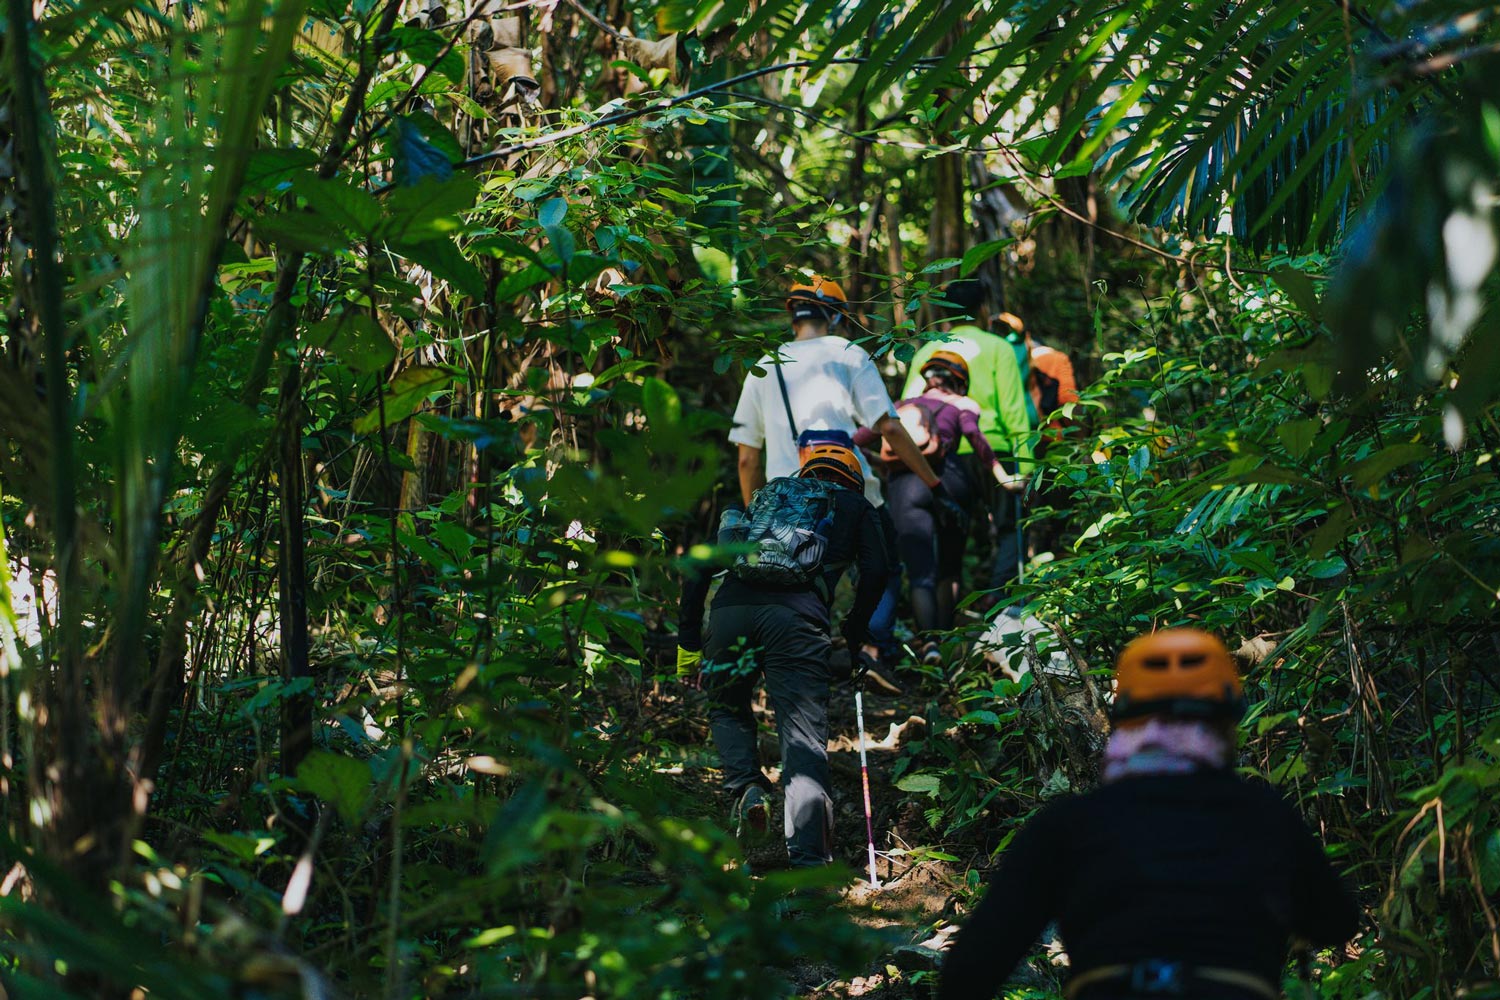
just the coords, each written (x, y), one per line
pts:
(1020, 544)
(864, 777)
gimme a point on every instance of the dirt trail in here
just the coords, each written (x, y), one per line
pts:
(913, 897)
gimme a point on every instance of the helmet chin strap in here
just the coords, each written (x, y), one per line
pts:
(808, 309)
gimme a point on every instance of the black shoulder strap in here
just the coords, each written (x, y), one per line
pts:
(786, 399)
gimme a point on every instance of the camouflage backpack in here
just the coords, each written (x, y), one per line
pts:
(788, 523)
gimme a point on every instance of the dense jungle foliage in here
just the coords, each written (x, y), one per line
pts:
(367, 369)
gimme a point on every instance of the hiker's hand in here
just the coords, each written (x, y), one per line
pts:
(690, 667)
(949, 513)
(1011, 482)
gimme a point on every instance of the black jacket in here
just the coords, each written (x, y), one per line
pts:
(855, 538)
(1201, 868)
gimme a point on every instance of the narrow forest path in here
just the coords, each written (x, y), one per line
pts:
(916, 894)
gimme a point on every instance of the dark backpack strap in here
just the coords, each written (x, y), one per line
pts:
(786, 400)
(1049, 389)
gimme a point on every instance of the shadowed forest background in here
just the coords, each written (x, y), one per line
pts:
(366, 375)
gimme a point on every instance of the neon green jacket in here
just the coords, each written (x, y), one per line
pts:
(994, 383)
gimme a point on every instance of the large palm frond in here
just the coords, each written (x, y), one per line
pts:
(1278, 115)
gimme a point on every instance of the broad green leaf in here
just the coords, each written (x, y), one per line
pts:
(521, 281)
(416, 158)
(552, 213)
(1332, 531)
(1297, 435)
(663, 408)
(342, 782)
(920, 783)
(272, 169)
(447, 263)
(427, 210)
(351, 209)
(299, 231)
(1299, 288)
(1318, 378)
(1489, 862)
(1369, 471)
(976, 255)
(356, 339)
(404, 395)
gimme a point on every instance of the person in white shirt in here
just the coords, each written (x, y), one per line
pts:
(830, 385)
(819, 386)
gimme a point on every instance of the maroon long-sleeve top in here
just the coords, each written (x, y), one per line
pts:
(949, 422)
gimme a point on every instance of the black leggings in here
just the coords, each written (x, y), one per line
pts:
(929, 554)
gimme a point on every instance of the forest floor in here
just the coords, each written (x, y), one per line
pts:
(914, 902)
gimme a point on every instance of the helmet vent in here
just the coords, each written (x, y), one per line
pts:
(1193, 660)
(1157, 663)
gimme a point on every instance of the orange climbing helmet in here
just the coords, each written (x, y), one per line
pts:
(1017, 331)
(818, 291)
(1181, 673)
(948, 361)
(835, 463)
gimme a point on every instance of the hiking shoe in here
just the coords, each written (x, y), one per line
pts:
(932, 655)
(881, 679)
(752, 815)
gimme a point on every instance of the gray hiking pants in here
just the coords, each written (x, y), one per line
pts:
(742, 644)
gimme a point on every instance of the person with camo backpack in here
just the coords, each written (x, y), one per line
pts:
(819, 386)
(771, 618)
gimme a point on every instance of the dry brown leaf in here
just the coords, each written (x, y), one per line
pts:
(660, 54)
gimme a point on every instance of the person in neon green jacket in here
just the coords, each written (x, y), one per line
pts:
(996, 385)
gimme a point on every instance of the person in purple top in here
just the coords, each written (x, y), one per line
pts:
(929, 533)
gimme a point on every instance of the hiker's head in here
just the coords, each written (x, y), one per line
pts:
(1012, 328)
(965, 299)
(817, 305)
(833, 463)
(1178, 674)
(947, 370)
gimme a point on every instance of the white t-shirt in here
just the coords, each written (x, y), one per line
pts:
(832, 385)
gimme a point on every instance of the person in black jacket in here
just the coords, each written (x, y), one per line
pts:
(784, 632)
(1175, 878)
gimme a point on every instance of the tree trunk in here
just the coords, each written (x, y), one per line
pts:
(296, 709)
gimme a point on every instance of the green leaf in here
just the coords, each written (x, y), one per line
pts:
(1297, 436)
(356, 339)
(447, 263)
(1299, 288)
(552, 213)
(351, 209)
(941, 264)
(1318, 378)
(976, 255)
(563, 243)
(299, 231)
(416, 157)
(1332, 531)
(1489, 863)
(920, 783)
(269, 169)
(427, 210)
(521, 281)
(663, 407)
(1369, 471)
(404, 395)
(342, 782)
(550, 216)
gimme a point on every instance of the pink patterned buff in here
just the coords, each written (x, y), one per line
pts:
(1164, 746)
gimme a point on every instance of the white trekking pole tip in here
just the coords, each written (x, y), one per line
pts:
(864, 777)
